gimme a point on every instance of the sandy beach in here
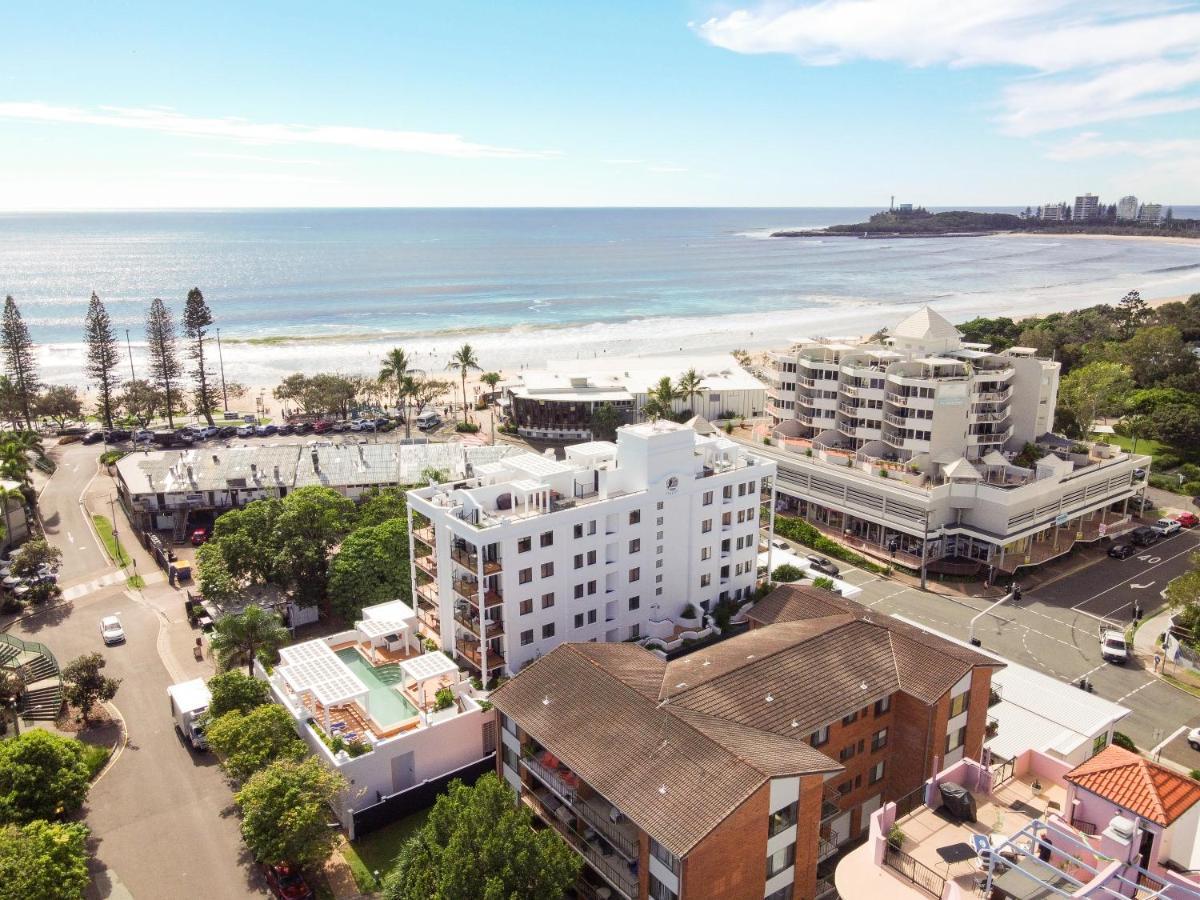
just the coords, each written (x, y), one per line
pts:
(1140, 238)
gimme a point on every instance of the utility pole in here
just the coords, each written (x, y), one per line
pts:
(129, 347)
(925, 550)
(221, 359)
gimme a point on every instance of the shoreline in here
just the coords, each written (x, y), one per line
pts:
(942, 235)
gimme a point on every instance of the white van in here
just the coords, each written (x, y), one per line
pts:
(428, 419)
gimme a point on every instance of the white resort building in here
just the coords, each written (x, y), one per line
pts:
(374, 706)
(909, 445)
(635, 539)
(557, 403)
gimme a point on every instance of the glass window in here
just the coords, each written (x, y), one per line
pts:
(635, 516)
(579, 530)
(705, 553)
(634, 574)
(591, 617)
(781, 860)
(635, 602)
(524, 545)
(659, 891)
(784, 893)
(635, 545)
(591, 557)
(882, 706)
(880, 740)
(547, 600)
(820, 736)
(579, 560)
(547, 539)
(958, 705)
(706, 526)
(525, 576)
(526, 637)
(956, 739)
(847, 720)
(664, 856)
(548, 570)
(708, 498)
(877, 773)
(591, 588)
(783, 819)
(548, 630)
(578, 620)
(526, 607)
(705, 580)
(578, 591)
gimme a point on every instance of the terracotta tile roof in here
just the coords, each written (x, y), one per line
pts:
(1135, 783)
(676, 774)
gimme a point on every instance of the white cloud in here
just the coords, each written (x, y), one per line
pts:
(1091, 145)
(168, 121)
(1085, 60)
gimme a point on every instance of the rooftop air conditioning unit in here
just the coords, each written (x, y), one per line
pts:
(1122, 827)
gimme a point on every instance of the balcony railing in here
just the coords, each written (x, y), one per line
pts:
(425, 535)
(471, 623)
(992, 396)
(428, 593)
(825, 889)
(427, 564)
(827, 847)
(915, 871)
(470, 561)
(555, 782)
(470, 652)
(613, 869)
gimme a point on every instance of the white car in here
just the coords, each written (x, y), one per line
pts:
(1193, 738)
(112, 631)
(206, 432)
(1166, 527)
(246, 431)
(780, 545)
(1113, 647)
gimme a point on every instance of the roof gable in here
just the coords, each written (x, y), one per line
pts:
(926, 324)
(1134, 783)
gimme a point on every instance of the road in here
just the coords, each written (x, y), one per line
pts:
(1055, 629)
(163, 821)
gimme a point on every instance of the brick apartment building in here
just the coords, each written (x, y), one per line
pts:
(737, 770)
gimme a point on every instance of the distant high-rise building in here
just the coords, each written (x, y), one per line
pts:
(1055, 212)
(905, 208)
(1127, 208)
(1151, 214)
(1087, 206)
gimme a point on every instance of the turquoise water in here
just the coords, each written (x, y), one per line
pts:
(387, 705)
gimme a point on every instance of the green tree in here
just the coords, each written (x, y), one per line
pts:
(1000, 333)
(1132, 312)
(1097, 389)
(20, 361)
(234, 690)
(197, 319)
(239, 636)
(249, 742)
(85, 684)
(1156, 353)
(286, 810)
(42, 776)
(1176, 425)
(103, 358)
(484, 824)
(11, 410)
(46, 860)
(311, 521)
(164, 356)
(370, 567)
(34, 554)
(12, 688)
(425, 390)
(213, 577)
(690, 386)
(787, 573)
(379, 505)
(60, 404)
(660, 400)
(605, 420)
(464, 361)
(245, 539)
(491, 379)
(397, 368)
(141, 401)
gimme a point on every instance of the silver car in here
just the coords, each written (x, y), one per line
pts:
(112, 631)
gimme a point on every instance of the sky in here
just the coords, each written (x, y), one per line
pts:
(829, 103)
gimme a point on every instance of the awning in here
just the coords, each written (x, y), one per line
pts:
(428, 666)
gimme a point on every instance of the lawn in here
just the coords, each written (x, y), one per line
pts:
(1144, 445)
(378, 851)
(112, 546)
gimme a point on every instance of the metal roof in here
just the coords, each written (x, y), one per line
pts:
(428, 666)
(314, 668)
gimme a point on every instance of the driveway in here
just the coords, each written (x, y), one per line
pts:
(63, 517)
(162, 818)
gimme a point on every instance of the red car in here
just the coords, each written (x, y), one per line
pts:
(1188, 520)
(286, 882)
(199, 536)
(321, 427)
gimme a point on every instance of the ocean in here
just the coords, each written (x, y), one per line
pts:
(333, 289)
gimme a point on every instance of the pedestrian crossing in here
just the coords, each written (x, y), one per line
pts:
(75, 591)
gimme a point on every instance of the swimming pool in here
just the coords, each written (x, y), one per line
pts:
(388, 706)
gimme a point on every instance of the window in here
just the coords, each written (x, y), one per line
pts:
(591, 617)
(524, 545)
(578, 591)
(634, 603)
(845, 787)
(634, 574)
(578, 620)
(882, 706)
(547, 539)
(579, 531)
(635, 516)
(782, 819)
(526, 637)
(548, 570)
(1099, 743)
(708, 498)
(659, 891)
(526, 607)
(741, 490)
(956, 739)
(784, 893)
(635, 631)
(547, 600)
(850, 719)
(781, 860)
(591, 588)
(726, 518)
(880, 740)
(635, 545)
(592, 527)
(658, 521)
(705, 553)
(876, 773)
(525, 576)
(591, 557)
(820, 737)
(846, 753)
(659, 506)
(706, 526)
(664, 856)
(705, 580)
(548, 630)
(579, 560)
(727, 492)
(958, 705)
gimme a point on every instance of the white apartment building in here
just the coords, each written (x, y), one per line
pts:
(1055, 212)
(908, 445)
(1150, 214)
(1127, 208)
(618, 541)
(1087, 206)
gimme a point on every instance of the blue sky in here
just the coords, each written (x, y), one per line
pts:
(838, 102)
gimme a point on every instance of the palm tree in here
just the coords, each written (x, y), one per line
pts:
(12, 687)
(7, 494)
(691, 386)
(243, 634)
(660, 400)
(396, 366)
(464, 361)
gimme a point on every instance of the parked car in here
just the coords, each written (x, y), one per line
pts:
(780, 544)
(340, 426)
(1193, 738)
(199, 536)
(824, 566)
(117, 434)
(266, 430)
(1166, 527)
(246, 431)
(356, 425)
(321, 427)
(1139, 474)
(428, 419)
(227, 431)
(1188, 520)
(286, 883)
(1121, 551)
(1112, 647)
(1143, 536)
(112, 631)
(206, 432)
(285, 428)
(93, 437)
(143, 436)
(1142, 504)
(302, 428)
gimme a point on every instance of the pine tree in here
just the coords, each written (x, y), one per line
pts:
(164, 358)
(19, 360)
(103, 357)
(197, 317)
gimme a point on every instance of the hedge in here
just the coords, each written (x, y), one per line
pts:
(802, 532)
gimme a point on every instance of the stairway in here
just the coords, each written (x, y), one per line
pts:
(43, 702)
(43, 696)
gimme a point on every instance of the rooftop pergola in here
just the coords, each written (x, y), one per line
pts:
(386, 619)
(432, 666)
(312, 668)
